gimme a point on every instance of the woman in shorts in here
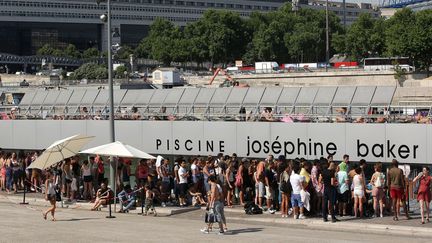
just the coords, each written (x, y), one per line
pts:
(424, 192)
(358, 192)
(229, 180)
(50, 195)
(378, 182)
(88, 180)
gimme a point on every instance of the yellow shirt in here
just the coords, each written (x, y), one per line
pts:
(306, 174)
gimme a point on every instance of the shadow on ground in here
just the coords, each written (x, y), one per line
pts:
(243, 231)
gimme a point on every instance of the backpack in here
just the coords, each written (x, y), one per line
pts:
(251, 208)
(285, 186)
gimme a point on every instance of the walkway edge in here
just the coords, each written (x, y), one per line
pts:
(346, 226)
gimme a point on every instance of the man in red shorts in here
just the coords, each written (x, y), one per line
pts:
(396, 184)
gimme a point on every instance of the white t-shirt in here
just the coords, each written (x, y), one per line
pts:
(296, 182)
(193, 168)
(181, 172)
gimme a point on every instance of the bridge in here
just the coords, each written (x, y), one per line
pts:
(400, 3)
(10, 59)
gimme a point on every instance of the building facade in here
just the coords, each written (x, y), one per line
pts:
(26, 25)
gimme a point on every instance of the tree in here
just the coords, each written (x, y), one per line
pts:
(90, 71)
(365, 38)
(422, 40)
(268, 42)
(71, 51)
(124, 52)
(222, 35)
(400, 33)
(120, 71)
(91, 53)
(160, 41)
(47, 50)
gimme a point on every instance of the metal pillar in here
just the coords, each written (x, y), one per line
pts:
(327, 37)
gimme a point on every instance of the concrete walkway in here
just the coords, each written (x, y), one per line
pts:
(386, 225)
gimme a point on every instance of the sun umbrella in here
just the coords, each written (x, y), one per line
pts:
(118, 149)
(60, 150)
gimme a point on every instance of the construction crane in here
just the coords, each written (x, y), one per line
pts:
(220, 70)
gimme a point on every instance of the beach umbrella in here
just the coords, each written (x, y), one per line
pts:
(118, 149)
(60, 150)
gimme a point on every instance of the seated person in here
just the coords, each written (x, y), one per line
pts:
(135, 114)
(127, 199)
(267, 114)
(103, 196)
(197, 199)
(342, 117)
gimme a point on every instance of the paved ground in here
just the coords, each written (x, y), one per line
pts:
(20, 223)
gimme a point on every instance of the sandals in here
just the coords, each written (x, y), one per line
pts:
(395, 219)
(44, 216)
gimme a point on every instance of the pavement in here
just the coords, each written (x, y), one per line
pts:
(24, 223)
(382, 226)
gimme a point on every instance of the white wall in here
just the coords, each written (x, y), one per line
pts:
(409, 143)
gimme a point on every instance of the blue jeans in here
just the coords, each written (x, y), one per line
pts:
(128, 206)
(296, 200)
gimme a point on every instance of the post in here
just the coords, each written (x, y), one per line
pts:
(111, 102)
(344, 13)
(24, 194)
(327, 37)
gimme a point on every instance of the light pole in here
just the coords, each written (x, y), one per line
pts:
(327, 37)
(107, 18)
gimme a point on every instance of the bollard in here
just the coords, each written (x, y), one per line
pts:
(110, 216)
(24, 195)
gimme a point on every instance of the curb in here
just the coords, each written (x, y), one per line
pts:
(87, 206)
(347, 226)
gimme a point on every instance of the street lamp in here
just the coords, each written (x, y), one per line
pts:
(327, 37)
(106, 18)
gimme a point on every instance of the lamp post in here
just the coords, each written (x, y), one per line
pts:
(107, 18)
(327, 37)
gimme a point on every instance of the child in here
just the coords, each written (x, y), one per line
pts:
(149, 201)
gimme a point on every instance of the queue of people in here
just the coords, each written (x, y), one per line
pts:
(296, 187)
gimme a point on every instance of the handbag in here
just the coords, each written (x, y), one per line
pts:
(57, 194)
(210, 217)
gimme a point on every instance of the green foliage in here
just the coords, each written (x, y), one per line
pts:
(91, 53)
(422, 40)
(120, 71)
(222, 37)
(125, 52)
(71, 51)
(48, 50)
(90, 71)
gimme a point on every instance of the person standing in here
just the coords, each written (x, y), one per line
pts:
(88, 179)
(343, 188)
(285, 188)
(216, 203)
(298, 183)
(141, 173)
(259, 183)
(359, 195)
(378, 182)
(182, 183)
(229, 180)
(424, 192)
(396, 184)
(50, 195)
(208, 171)
(328, 178)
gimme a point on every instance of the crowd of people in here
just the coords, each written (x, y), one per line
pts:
(296, 187)
(267, 114)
